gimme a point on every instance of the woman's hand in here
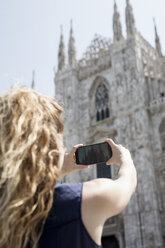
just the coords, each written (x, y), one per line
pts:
(69, 164)
(119, 153)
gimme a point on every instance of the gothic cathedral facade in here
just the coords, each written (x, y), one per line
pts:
(117, 90)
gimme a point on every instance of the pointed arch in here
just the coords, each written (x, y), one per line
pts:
(162, 133)
(99, 99)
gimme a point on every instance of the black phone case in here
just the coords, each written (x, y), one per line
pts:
(93, 154)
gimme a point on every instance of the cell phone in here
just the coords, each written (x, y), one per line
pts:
(93, 154)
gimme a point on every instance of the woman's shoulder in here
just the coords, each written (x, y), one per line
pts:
(67, 190)
(68, 194)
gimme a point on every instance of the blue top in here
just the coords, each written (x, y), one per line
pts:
(64, 227)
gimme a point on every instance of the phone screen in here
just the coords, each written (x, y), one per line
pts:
(93, 154)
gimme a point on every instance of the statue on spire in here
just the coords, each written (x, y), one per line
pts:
(157, 40)
(117, 28)
(61, 53)
(72, 49)
(130, 21)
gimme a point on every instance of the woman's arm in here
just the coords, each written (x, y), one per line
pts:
(103, 198)
(69, 164)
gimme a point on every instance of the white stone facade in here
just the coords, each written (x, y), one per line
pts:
(132, 73)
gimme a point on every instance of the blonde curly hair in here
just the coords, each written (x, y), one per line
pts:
(30, 128)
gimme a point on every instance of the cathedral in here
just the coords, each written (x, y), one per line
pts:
(117, 90)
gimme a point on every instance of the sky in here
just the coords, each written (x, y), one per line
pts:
(30, 34)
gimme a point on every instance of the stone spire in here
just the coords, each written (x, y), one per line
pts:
(130, 21)
(33, 81)
(157, 40)
(71, 49)
(61, 53)
(117, 28)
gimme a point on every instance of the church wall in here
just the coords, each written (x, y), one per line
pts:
(159, 161)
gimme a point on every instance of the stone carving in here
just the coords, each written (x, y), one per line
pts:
(101, 102)
(101, 97)
(99, 47)
(72, 49)
(130, 21)
(117, 29)
(61, 54)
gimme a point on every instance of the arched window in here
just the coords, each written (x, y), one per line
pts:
(101, 102)
(107, 112)
(162, 134)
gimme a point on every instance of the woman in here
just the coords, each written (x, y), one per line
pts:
(34, 213)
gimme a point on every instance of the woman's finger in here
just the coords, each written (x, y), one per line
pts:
(111, 142)
(75, 148)
(81, 167)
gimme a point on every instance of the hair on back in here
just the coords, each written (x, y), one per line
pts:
(30, 128)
